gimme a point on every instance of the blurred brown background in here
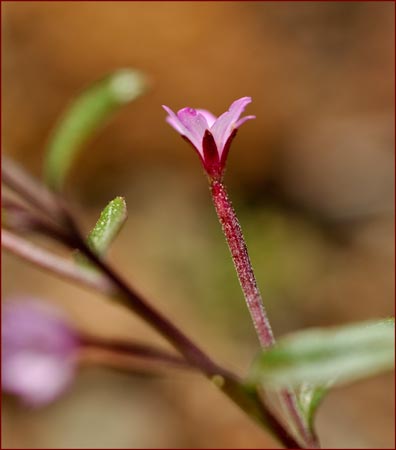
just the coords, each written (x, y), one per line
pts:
(312, 179)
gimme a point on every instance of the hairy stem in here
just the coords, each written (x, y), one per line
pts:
(236, 243)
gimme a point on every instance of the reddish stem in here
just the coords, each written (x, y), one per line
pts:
(236, 243)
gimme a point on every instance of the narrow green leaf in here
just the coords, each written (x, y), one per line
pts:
(319, 356)
(309, 398)
(84, 116)
(109, 224)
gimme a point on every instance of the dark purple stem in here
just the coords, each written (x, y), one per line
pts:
(135, 349)
(236, 243)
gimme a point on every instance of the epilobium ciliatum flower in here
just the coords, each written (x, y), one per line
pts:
(210, 136)
(39, 351)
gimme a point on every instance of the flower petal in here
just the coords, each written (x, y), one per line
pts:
(210, 118)
(195, 123)
(220, 130)
(174, 120)
(239, 106)
(243, 120)
(224, 125)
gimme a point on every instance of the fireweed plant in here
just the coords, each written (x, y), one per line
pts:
(42, 351)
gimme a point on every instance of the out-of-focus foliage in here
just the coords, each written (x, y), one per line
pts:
(317, 359)
(85, 115)
(339, 355)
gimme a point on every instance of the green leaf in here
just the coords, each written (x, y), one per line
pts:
(109, 224)
(319, 356)
(313, 361)
(309, 398)
(84, 116)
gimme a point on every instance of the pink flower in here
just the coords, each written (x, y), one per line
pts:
(39, 351)
(210, 136)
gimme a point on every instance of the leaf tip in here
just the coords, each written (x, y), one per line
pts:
(127, 84)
